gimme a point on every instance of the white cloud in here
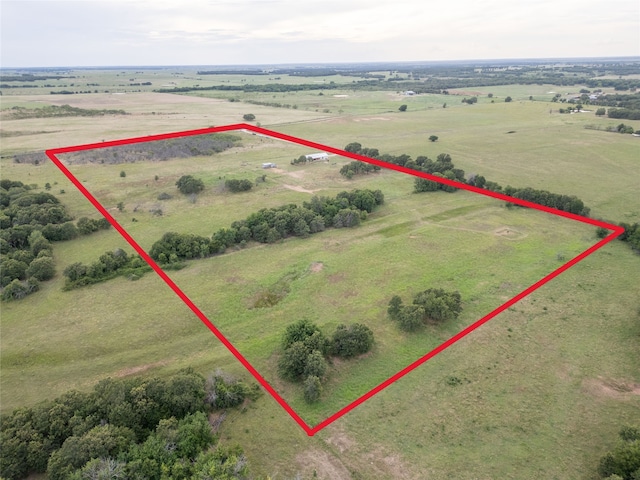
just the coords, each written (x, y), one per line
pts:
(93, 32)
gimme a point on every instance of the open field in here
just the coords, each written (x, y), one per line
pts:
(543, 388)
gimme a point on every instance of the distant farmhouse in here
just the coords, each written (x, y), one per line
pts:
(269, 165)
(312, 157)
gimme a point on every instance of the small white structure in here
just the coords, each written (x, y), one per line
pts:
(409, 93)
(312, 157)
(269, 165)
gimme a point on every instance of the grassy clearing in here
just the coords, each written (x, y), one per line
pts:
(543, 387)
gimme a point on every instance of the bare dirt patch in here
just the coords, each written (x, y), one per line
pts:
(324, 465)
(125, 372)
(368, 119)
(316, 267)
(610, 388)
(341, 441)
(297, 188)
(336, 277)
(509, 233)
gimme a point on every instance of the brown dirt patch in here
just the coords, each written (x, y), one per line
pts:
(509, 233)
(368, 119)
(316, 267)
(610, 388)
(341, 441)
(125, 372)
(324, 465)
(297, 188)
(336, 277)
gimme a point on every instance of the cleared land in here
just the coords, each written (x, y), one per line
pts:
(543, 388)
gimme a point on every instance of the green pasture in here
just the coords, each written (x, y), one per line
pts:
(538, 392)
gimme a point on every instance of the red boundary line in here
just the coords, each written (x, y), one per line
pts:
(281, 136)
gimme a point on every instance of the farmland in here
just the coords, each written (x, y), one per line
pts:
(538, 392)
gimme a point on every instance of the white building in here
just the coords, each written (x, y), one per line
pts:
(312, 157)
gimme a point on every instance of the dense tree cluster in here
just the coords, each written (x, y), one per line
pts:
(149, 428)
(432, 305)
(29, 222)
(109, 265)
(623, 462)
(357, 168)
(306, 350)
(152, 151)
(270, 225)
(235, 186)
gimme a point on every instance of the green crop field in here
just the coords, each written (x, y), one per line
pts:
(540, 391)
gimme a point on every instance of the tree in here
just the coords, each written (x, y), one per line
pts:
(403, 108)
(312, 389)
(188, 184)
(293, 362)
(433, 138)
(299, 332)
(508, 99)
(490, 95)
(350, 341)
(315, 365)
(249, 117)
(238, 185)
(42, 268)
(624, 459)
(123, 174)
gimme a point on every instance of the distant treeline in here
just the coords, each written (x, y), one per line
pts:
(50, 111)
(27, 77)
(232, 72)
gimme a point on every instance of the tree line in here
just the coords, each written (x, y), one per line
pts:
(443, 167)
(29, 222)
(152, 428)
(270, 225)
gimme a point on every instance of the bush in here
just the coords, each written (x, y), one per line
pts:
(315, 365)
(350, 341)
(402, 108)
(188, 184)
(312, 389)
(42, 268)
(249, 117)
(238, 185)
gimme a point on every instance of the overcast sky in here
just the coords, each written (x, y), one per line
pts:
(226, 32)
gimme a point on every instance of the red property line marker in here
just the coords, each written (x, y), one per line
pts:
(52, 154)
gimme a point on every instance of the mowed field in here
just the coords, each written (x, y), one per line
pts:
(541, 390)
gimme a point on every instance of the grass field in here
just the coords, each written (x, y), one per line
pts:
(541, 390)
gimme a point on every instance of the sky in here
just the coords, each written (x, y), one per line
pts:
(50, 33)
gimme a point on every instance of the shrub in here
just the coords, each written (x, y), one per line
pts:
(42, 268)
(238, 185)
(350, 341)
(249, 117)
(188, 184)
(312, 389)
